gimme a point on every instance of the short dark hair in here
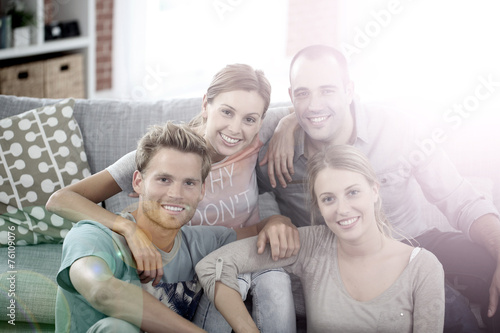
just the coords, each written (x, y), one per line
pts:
(318, 51)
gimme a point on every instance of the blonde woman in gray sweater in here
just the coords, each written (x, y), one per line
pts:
(356, 277)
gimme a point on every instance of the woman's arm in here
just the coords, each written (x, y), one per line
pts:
(280, 151)
(229, 303)
(223, 266)
(79, 201)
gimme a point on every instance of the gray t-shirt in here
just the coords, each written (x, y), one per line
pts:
(413, 303)
(89, 238)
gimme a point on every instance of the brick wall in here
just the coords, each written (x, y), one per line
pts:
(48, 8)
(104, 44)
(312, 22)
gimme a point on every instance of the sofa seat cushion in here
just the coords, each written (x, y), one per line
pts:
(30, 284)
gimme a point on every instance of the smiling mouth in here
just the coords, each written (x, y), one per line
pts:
(174, 209)
(348, 222)
(229, 139)
(318, 120)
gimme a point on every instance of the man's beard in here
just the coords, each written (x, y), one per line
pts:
(159, 217)
(155, 214)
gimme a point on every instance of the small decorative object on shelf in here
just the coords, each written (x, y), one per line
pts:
(56, 30)
(22, 24)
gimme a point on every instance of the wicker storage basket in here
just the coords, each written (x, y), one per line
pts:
(63, 77)
(23, 80)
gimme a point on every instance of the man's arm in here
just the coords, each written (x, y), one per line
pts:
(486, 231)
(461, 204)
(278, 231)
(93, 279)
(280, 151)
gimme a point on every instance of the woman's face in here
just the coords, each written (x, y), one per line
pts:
(232, 121)
(347, 202)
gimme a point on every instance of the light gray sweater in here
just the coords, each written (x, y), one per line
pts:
(414, 303)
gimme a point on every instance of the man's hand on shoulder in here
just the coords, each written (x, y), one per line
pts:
(280, 151)
(282, 236)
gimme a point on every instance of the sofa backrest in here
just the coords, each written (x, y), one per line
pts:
(111, 128)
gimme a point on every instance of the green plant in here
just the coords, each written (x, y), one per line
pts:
(20, 17)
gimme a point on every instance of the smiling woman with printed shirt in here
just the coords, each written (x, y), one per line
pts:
(232, 115)
(356, 277)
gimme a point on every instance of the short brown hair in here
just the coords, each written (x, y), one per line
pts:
(176, 136)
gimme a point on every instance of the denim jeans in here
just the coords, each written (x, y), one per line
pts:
(468, 268)
(273, 309)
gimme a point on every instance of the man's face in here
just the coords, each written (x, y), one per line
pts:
(321, 99)
(170, 188)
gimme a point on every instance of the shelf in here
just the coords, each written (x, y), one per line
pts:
(81, 11)
(61, 45)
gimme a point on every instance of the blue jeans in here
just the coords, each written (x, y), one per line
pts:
(273, 309)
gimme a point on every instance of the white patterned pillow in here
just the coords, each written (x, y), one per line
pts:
(41, 151)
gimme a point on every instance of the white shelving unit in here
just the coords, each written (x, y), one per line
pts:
(82, 11)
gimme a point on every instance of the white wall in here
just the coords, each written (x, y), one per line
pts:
(173, 48)
(425, 49)
(437, 58)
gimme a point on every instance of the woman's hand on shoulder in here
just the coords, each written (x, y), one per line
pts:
(147, 257)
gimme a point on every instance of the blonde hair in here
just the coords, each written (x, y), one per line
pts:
(237, 77)
(344, 157)
(175, 136)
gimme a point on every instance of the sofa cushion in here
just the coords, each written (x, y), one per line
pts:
(41, 150)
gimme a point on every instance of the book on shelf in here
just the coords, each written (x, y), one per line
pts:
(5, 32)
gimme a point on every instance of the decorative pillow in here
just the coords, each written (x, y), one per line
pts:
(41, 151)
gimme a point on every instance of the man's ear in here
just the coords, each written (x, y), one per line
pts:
(202, 195)
(204, 104)
(137, 181)
(375, 189)
(290, 94)
(349, 90)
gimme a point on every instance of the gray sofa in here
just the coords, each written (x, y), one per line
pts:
(110, 129)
